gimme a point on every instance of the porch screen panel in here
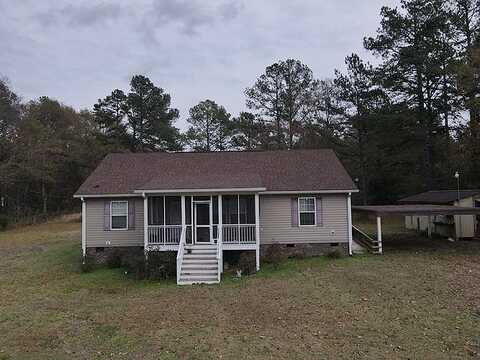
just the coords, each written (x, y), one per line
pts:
(173, 210)
(155, 210)
(230, 209)
(247, 209)
(215, 217)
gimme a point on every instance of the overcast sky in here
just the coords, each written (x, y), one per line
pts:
(79, 51)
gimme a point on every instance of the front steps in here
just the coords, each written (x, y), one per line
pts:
(199, 265)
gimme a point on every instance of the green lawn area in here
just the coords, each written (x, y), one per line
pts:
(411, 303)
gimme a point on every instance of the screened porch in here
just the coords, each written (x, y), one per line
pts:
(229, 219)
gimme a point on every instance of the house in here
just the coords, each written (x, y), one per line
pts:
(201, 205)
(453, 226)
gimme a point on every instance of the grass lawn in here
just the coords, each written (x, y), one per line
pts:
(418, 301)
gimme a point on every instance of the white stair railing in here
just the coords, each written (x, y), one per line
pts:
(220, 255)
(365, 240)
(180, 253)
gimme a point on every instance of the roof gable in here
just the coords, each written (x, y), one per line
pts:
(294, 170)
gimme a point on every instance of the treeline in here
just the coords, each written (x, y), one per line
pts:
(401, 126)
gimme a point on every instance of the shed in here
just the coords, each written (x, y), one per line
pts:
(424, 210)
(454, 226)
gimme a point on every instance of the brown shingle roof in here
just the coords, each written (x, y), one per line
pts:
(438, 197)
(293, 170)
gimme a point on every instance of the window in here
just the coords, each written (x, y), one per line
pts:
(119, 215)
(307, 211)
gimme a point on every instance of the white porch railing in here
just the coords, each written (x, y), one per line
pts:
(180, 252)
(238, 234)
(164, 234)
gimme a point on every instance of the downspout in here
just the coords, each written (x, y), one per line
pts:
(350, 223)
(84, 230)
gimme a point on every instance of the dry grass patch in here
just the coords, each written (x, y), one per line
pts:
(407, 304)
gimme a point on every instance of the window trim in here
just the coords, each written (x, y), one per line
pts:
(307, 212)
(111, 216)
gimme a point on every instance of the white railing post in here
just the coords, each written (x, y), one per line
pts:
(379, 234)
(145, 225)
(220, 233)
(257, 230)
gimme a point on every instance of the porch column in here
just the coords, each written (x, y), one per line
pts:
(257, 230)
(379, 234)
(220, 229)
(84, 230)
(183, 214)
(145, 224)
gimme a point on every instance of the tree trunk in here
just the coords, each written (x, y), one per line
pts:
(44, 199)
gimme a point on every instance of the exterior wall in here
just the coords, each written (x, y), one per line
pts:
(98, 237)
(276, 224)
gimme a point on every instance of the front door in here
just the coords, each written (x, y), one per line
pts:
(202, 223)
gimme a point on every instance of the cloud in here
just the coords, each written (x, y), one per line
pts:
(191, 15)
(81, 15)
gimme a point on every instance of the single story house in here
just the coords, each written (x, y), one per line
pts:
(201, 205)
(453, 226)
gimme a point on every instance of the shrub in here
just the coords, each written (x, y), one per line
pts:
(159, 266)
(114, 259)
(247, 263)
(335, 254)
(4, 221)
(136, 266)
(273, 255)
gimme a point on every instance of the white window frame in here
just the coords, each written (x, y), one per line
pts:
(307, 212)
(111, 216)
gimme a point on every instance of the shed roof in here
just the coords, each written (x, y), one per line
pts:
(289, 170)
(438, 197)
(418, 209)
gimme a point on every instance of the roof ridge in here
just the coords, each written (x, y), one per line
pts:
(221, 152)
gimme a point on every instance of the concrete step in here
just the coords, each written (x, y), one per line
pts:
(197, 282)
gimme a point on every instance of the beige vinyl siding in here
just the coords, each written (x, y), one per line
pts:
(98, 237)
(276, 223)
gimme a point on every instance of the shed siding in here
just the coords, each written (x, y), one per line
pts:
(98, 237)
(276, 225)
